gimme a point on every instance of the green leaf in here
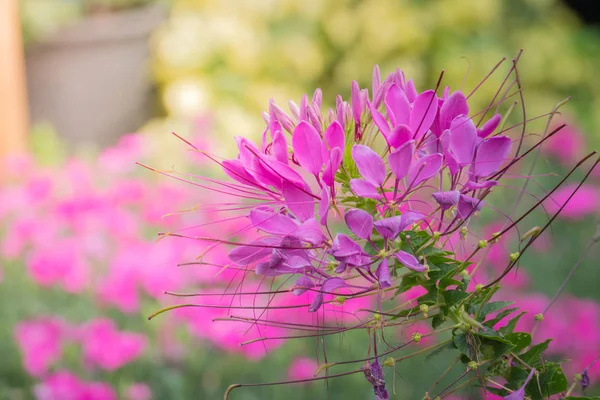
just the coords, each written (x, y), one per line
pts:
(510, 327)
(499, 317)
(452, 297)
(552, 380)
(519, 340)
(534, 353)
(461, 344)
(489, 308)
(437, 320)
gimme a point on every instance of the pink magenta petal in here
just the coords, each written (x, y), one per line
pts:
(398, 106)
(383, 274)
(369, 164)
(423, 114)
(400, 135)
(334, 136)
(280, 148)
(410, 262)
(333, 164)
(463, 136)
(270, 221)
(324, 205)
(454, 106)
(490, 126)
(304, 142)
(401, 158)
(299, 201)
(360, 223)
(490, 155)
(364, 188)
(328, 286)
(424, 168)
(584, 202)
(379, 120)
(447, 199)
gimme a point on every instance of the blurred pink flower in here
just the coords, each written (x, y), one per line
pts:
(138, 391)
(104, 346)
(567, 144)
(40, 342)
(64, 385)
(302, 368)
(583, 203)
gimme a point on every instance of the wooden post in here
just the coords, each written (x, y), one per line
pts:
(13, 90)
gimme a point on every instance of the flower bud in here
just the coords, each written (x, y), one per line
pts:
(416, 337)
(463, 231)
(539, 317)
(514, 256)
(472, 365)
(479, 287)
(482, 244)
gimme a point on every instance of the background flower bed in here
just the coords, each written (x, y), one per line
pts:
(78, 238)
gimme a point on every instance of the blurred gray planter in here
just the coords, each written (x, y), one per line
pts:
(91, 80)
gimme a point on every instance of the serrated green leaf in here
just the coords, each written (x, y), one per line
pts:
(452, 297)
(519, 340)
(534, 353)
(437, 320)
(489, 308)
(512, 324)
(499, 317)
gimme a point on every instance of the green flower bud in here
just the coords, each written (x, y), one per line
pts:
(472, 365)
(389, 362)
(539, 317)
(416, 337)
(479, 287)
(514, 256)
(463, 231)
(482, 244)
(340, 299)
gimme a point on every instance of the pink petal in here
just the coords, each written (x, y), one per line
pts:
(305, 140)
(423, 114)
(309, 232)
(369, 164)
(467, 206)
(409, 261)
(360, 223)
(454, 106)
(270, 221)
(447, 199)
(379, 120)
(334, 136)
(332, 166)
(300, 203)
(490, 126)
(383, 274)
(279, 147)
(364, 188)
(463, 136)
(400, 135)
(583, 203)
(424, 168)
(401, 158)
(397, 105)
(246, 255)
(328, 286)
(490, 155)
(324, 205)
(356, 102)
